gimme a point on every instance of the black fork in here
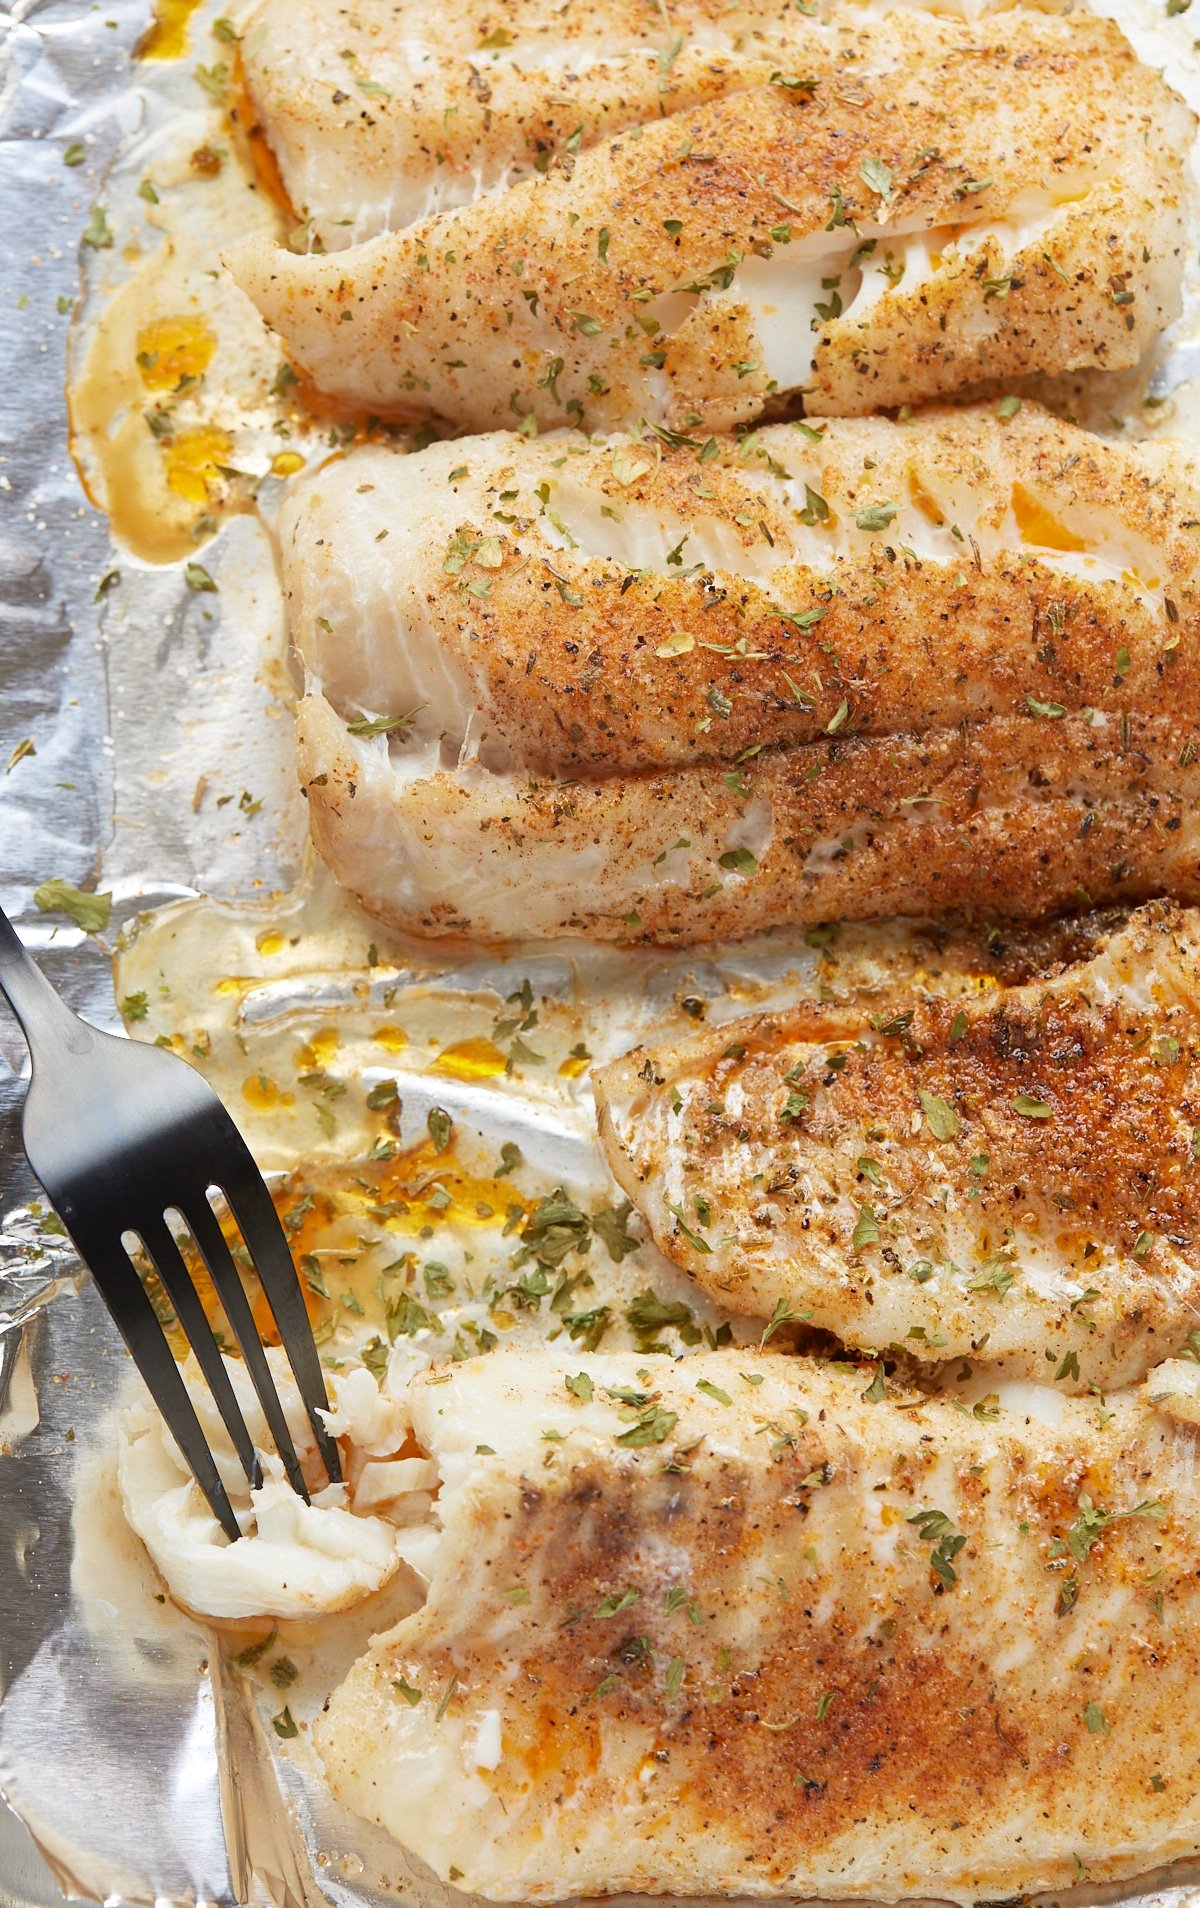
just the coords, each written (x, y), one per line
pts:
(122, 1135)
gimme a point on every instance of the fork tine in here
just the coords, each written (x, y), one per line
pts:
(177, 1281)
(254, 1210)
(206, 1230)
(121, 1289)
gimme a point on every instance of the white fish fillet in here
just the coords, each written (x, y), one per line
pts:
(1011, 1178)
(876, 238)
(676, 693)
(381, 115)
(783, 1640)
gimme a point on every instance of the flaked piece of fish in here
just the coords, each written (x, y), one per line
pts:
(294, 1559)
(869, 240)
(674, 693)
(1011, 1178)
(409, 107)
(742, 1625)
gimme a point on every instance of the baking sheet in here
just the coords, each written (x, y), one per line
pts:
(131, 1743)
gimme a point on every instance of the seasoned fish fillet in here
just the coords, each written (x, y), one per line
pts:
(386, 113)
(1008, 821)
(1012, 1177)
(588, 607)
(879, 235)
(668, 693)
(755, 1634)
(400, 108)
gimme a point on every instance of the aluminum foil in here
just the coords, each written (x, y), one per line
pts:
(111, 1738)
(133, 1747)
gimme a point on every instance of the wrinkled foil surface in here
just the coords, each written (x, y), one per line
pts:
(137, 1761)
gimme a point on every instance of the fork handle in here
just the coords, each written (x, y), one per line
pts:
(46, 1020)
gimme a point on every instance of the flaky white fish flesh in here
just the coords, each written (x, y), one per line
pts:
(294, 1559)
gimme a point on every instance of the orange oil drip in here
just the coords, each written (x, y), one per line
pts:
(1040, 526)
(214, 1311)
(193, 461)
(925, 503)
(166, 38)
(262, 1093)
(391, 1039)
(319, 1051)
(172, 348)
(414, 1189)
(477, 1059)
(250, 141)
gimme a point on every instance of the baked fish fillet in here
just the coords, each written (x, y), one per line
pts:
(751, 1633)
(388, 112)
(1013, 1177)
(670, 693)
(901, 228)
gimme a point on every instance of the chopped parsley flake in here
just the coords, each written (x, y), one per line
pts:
(866, 1230)
(615, 1602)
(940, 1116)
(878, 177)
(693, 1238)
(91, 912)
(782, 1315)
(654, 1426)
(934, 1527)
(1093, 1519)
(876, 517)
